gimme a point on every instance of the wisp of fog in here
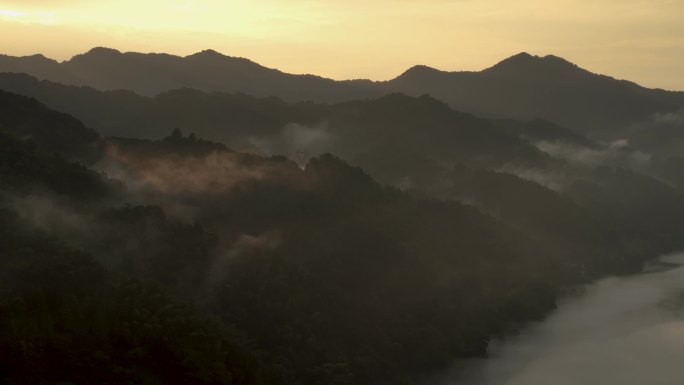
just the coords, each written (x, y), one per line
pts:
(620, 331)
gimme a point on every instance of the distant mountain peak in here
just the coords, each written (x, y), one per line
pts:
(523, 56)
(102, 51)
(421, 68)
(209, 56)
(207, 53)
(97, 53)
(558, 60)
(38, 58)
(525, 62)
(419, 72)
(519, 59)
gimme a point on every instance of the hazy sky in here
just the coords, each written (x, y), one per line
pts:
(640, 40)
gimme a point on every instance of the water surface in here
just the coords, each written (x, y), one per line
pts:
(620, 331)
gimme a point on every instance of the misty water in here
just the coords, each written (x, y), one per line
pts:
(619, 331)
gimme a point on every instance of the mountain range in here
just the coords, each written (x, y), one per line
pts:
(522, 86)
(207, 220)
(180, 260)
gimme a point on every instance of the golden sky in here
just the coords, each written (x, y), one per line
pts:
(639, 40)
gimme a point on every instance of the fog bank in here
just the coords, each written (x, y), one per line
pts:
(620, 331)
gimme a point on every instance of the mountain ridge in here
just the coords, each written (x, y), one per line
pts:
(518, 58)
(417, 260)
(522, 86)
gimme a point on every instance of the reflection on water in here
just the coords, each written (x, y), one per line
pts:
(621, 331)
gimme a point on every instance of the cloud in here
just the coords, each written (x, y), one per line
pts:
(49, 215)
(11, 13)
(216, 172)
(617, 153)
(245, 244)
(671, 118)
(297, 142)
(553, 179)
(620, 331)
(662, 133)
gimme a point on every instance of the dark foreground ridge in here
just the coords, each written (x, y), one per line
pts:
(182, 260)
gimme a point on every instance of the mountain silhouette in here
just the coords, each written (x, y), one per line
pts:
(27, 119)
(153, 73)
(522, 86)
(528, 87)
(400, 237)
(390, 136)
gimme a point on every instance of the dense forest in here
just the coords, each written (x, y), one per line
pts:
(217, 238)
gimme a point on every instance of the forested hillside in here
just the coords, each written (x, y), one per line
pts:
(182, 260)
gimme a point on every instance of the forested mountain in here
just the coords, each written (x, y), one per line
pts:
(175, 259)
(151, 74)
(377, 133)
(528, 87)
(394, 137)
(256, 244)
(522, 87)
(54, 131)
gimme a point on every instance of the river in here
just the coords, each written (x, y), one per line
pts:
(619, 331)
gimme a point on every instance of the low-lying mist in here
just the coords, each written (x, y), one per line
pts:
(617, 153)
(620, 331)
(297, 142)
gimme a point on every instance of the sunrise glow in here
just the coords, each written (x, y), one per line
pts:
(633, 39)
